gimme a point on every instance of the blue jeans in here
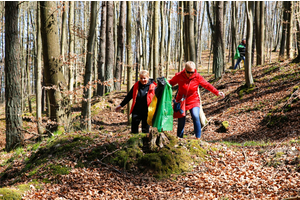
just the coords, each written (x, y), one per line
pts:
(238, 61)
(196, 120)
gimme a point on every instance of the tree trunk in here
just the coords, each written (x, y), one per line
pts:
(260, 31)
(233, 31)
(28, 66)
(102, 49)
(248, 71)
(87, 93)
(156, 40)
(191, 32)
(218, 49)
(169, 42)
(284, 30)
(289, 39)
(129, 55)
(120, 54)
(115, 29)
(200, 32)
(54, 78)
(71, 48)
(181, 4)
(109, 61)
(151, 39)
(186, 35)
(297, 59)
(162, 40)
(13, 112)
(63, 32)
(39, 72)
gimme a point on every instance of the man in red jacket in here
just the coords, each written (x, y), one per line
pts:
(188, 81)
(141, 94)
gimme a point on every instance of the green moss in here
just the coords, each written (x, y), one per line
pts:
(166, 162)
(58, 169)
(279, 154)
(245, 90)
(295, 88)
(10, 194)
(195, 149)
(225, 124)
(33, 172)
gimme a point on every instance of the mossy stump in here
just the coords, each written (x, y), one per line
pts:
(157, 140)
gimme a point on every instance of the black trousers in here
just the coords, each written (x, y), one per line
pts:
(136, 119)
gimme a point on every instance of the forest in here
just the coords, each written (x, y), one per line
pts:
(66, 65)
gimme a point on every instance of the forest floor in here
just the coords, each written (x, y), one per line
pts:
(257, 157)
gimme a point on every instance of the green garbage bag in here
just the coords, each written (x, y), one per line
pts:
(237, 54)
(163, 117)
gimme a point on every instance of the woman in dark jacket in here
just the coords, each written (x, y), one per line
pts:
(141, 93)
(188, 81)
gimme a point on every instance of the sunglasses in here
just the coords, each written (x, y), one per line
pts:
(189, 72)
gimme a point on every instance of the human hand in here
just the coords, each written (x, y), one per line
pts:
(118, 108)
(221, 94)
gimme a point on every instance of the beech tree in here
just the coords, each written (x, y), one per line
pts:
(13, 112)
(156, 40)
(39, 72)
(248, 65)
(86, 103)
(102, 50)
(218, 49)
(129, 54)
(54, 78)
(109, 55)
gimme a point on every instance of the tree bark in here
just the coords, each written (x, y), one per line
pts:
(39, 72)
(129, 55)
(284, 30)
(87, 93)
(289, 39)
(181, 5)
(260, 31)
(169, 42)
(120, 50)
(233, 31)
(109, 60)
(156, 40)
(54, 78)
(248, 70)
(63, 31)
(218, 49)
(297, 59)
(162, 40)
(71, 48)
(191, 32)
(13, 112)
(102, 50)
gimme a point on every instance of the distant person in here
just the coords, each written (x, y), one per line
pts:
(240, 54)
(141, 93)
(188, 81)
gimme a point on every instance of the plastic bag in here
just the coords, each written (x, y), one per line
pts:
(163, 118)
(151, 110)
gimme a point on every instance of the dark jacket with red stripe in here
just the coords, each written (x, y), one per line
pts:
(141, 96)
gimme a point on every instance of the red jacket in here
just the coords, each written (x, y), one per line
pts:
(195, 80)
(150, 94)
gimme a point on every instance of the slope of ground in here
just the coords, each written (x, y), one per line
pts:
(257, 157)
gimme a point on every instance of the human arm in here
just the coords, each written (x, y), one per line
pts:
(210, 87)
(174, 80)
(125, 100)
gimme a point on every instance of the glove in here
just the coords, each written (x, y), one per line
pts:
(118, 108)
